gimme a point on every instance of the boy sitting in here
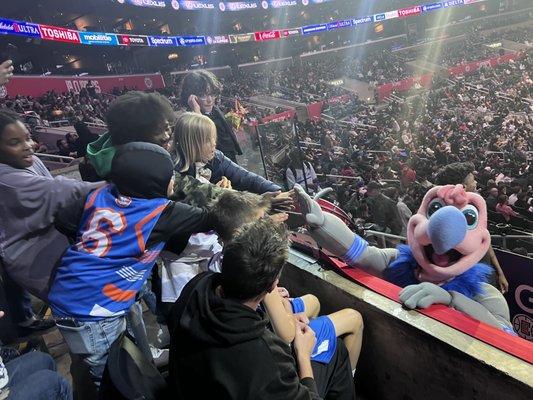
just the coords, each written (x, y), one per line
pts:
(221, 347)
(123, 227)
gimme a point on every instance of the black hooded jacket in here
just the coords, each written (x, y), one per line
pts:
(221, 349)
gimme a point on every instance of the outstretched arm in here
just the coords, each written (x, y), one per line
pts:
(333, 235)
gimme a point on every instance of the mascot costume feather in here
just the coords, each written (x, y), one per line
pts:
(446, 238)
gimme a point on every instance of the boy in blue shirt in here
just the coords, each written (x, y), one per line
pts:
(123, 227)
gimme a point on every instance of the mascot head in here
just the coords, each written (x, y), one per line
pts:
(448, 235)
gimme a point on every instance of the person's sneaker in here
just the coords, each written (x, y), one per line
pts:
(163, 337)
(160, 356)
(37, 326)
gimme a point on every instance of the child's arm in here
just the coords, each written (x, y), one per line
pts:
(280, 312)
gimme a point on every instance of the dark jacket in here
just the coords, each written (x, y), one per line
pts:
(241, 179)
(384, 212)
(226, 138)
(221, 349)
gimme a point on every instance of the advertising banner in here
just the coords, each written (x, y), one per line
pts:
(313, 29)
(10, 27)
(190, 40)
(431, 7)
(267, 35)
(132, 40)
(404, 85)
(409, 11)
(518, 271)
(162, 41)
(238, 5)
(289, 114)
(36, 86)
(339, 24)
(466, 69)
(362, 20)
(98, 38)
(241, 38)
(221, 39)
(58, 34)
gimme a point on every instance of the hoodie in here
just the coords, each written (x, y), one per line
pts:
(31, 202)
(222, 349)
(100, 154)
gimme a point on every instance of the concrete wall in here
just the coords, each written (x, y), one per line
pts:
(407, 356)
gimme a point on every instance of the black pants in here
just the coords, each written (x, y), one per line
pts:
(334, 380)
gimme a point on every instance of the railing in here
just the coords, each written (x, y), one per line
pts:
(56, 158)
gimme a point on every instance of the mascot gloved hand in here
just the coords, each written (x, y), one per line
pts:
(446, 238)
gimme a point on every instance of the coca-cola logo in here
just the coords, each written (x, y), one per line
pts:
(267, 35)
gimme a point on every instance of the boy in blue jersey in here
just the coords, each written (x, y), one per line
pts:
(123, 227)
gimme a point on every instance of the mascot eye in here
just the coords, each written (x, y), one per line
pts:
(434, 206)
(472, 215)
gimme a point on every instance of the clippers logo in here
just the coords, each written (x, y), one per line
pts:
(523, 326)
(267, 35)
(175, 4)
(123, 201)
(148, 82)
(379, 17)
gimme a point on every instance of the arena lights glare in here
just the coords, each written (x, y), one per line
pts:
(55, 33)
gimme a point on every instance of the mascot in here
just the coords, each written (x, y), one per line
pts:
(446, 238)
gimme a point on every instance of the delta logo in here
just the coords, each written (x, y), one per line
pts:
(406, 12)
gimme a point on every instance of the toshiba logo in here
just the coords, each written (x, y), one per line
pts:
(59, 34)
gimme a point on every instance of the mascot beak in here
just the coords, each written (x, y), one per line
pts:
(446, 228)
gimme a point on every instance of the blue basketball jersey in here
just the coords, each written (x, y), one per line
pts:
(100, 275)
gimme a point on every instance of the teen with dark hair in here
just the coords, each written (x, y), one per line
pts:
(133, 117)
(463, 174)
(217, 326)
(458, 173)
(199, 91)
(31, 202)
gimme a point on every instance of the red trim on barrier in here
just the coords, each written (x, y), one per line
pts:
(513, 345)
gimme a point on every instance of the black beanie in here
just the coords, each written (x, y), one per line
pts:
(141, 170)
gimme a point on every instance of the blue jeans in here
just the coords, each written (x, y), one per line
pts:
(33, 376)
(89, 343)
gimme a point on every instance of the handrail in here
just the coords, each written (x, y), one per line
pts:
(55, 157)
